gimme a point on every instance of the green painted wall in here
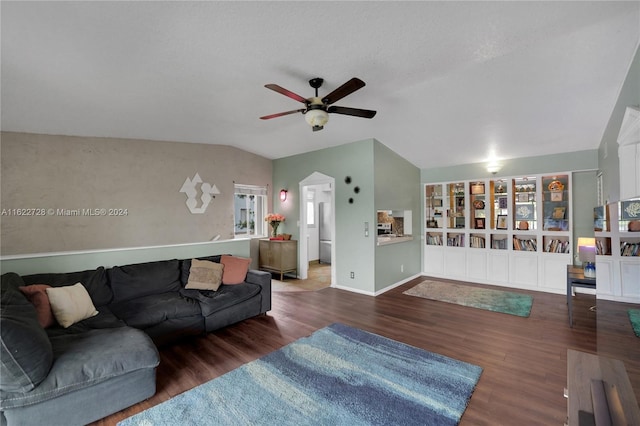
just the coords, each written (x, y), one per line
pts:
(579, 160)
(354, 251)
(585, 199)
(397, 187)
(608, 150)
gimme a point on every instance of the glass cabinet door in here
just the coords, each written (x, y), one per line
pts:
(499, 203)
(456, 205)
(524, 204)
(477, 205)
(434, 206)
(555, 207)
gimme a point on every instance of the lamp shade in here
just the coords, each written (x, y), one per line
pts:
(587, 249)
(316, 117)
(283, 195)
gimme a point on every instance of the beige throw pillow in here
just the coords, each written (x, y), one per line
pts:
(70, 304)
(205, 275)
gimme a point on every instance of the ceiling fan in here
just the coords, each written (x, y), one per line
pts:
(316, 111)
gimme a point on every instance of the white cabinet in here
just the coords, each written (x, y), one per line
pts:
(630, 279)
(604, 277)
(554, 271)
(618, 259)
(629, 156)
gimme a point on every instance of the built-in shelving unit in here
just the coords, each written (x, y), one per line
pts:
(512, 231)
(618, 251)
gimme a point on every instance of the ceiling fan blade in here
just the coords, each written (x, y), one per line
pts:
(344, 90)
(286, 92)
(280, 114)
(364, 113)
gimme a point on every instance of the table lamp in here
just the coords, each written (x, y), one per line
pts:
(587, 256)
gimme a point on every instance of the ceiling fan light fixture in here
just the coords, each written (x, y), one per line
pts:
(316, 117)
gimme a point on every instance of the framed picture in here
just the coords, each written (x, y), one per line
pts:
(432, 223)
(556, 196)
(477, 188)
(437, 202)
(480, 223)
(523, 198)
(525, 211)
(502, 202)
(630, 210)
(460, 202)
(501, 223)
(558, 212)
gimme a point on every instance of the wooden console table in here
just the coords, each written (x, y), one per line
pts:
(576, 278)
(279, 256)
(599, 391)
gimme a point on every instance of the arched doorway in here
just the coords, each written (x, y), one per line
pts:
(312, 185)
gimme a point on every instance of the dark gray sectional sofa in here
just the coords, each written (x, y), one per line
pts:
(105, 363)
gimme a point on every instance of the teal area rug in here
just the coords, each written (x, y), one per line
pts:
(634, 317)
(475, 297)
(337, 376)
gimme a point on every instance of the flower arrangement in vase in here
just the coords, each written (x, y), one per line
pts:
(274, 220)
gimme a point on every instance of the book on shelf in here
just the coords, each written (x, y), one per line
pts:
(456, 240)
(601, 249)
(629, 249)
(477, 241)
(434, 240)
(557, 246)
(500, 244)
(524, 244)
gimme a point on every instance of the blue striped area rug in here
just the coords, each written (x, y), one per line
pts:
(339, 375)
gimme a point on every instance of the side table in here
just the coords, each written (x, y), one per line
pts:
(576, 278)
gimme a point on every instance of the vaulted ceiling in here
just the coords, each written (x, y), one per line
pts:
(453, 82)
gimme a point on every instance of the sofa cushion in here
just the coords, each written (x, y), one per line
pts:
(26, 354)
(71, 304)
(37, 295)
(86, 359)
(185, 267)
(94, 280)
(226, 296)
(148, 311)
(235, 269)
(205, 275)
(104, 319)
(143, 279)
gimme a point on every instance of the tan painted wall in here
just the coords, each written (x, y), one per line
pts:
(144, 177)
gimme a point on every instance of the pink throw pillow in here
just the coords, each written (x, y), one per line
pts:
(235, 269)
(37, 295)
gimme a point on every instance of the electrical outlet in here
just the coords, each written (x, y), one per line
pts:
(353, 275)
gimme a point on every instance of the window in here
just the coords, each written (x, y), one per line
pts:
(250, 208)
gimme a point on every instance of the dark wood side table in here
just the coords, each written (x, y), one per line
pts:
(576, 278)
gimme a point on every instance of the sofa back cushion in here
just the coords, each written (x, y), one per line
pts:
(143, 279)
(26, 354)
(94, 280)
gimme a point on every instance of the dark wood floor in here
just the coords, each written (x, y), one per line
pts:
(524, 359)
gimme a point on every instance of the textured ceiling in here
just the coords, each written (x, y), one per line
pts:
(452, 81)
